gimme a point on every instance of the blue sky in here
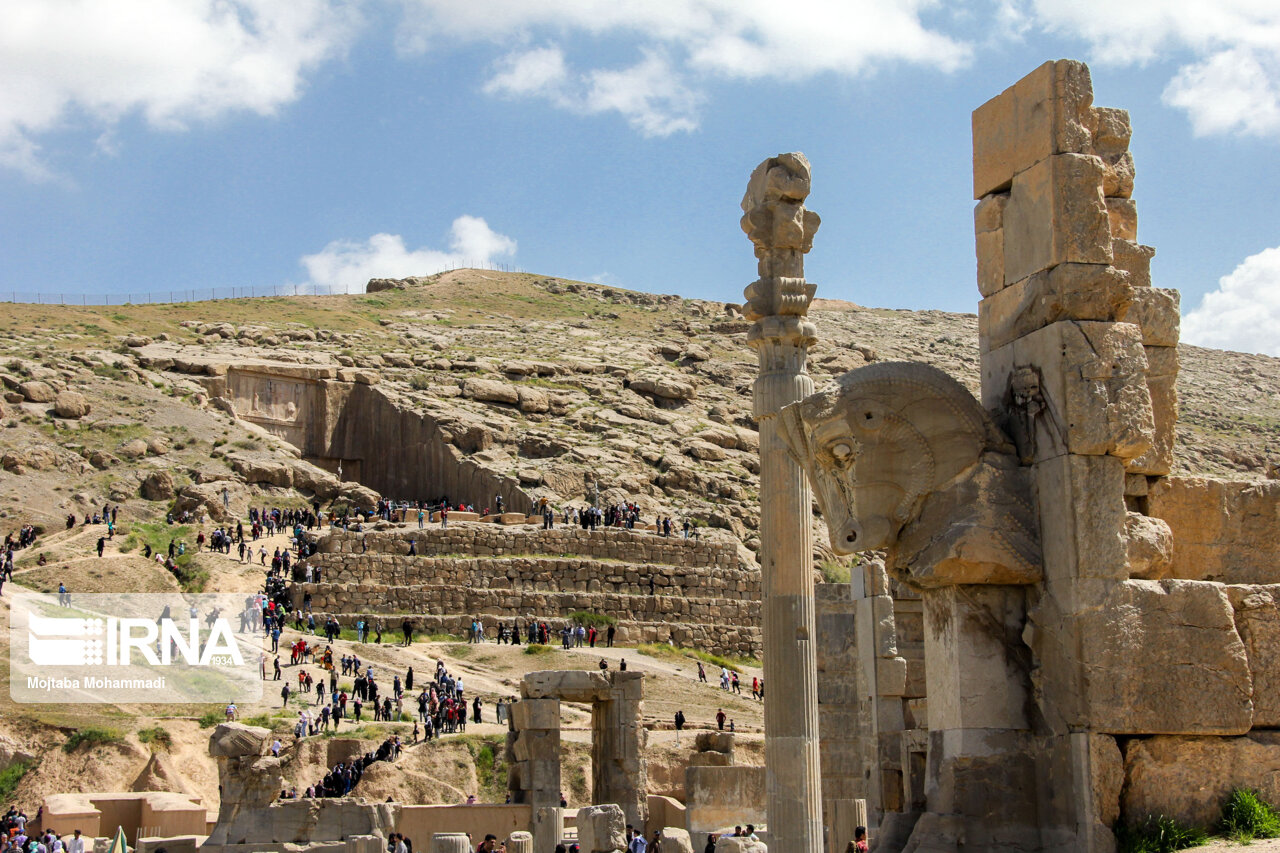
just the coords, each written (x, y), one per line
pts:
(158, 145)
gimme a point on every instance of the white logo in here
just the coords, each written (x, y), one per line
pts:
(71, 642)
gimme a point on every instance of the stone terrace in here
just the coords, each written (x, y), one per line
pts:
(695, 593)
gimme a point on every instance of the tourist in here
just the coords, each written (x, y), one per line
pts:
(679, 724)
(635, 840)
(720, 718)
(859, 842)
(711, 844)
(702, 673)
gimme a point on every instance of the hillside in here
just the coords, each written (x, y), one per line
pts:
(549, 388)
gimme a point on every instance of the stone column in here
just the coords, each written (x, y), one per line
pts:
(782, 230)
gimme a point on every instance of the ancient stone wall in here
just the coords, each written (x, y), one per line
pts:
(692, 592)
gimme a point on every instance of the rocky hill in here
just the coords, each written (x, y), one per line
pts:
(472, 383)
(542, 387)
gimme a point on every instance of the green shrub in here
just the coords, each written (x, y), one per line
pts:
(589, 619)
(209, 719)
(91, 736)
(10, 777)
(1158, 834)
(420, 382)
(538, 649)
(833, 572)
(1247, 816)
(158, 738)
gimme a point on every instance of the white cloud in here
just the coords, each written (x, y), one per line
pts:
(1244, 312)
(1235, 90)
(650, 95)
(67, 62)
(1232, 83)
(348, 264)
(682, 44)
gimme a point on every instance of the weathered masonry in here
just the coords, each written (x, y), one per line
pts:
(693, 592)
(1098, 637)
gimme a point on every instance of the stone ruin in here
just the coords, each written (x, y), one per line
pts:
(252, 820)
(1062, 636)
(618, 770)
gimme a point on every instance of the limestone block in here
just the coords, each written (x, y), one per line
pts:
(1158, 459)
(675, 840)
(1122, 215)
(1257, 618)
(714, 742)
(891, 676)
(1133, 258)
(730, 844)
(1090, 394)
(234, 740)
(1157, 311)
(1188, 778)
(536, 745)
(569, 685)
(536, 714)
(35, 391)
(1223, 530)
(1163, 657)
(981, 789)
(1083, 532)
(520, 842)
(1045, 113)
(450, 842)
(1111, 135)
(1148, 546)
(601, 829)
(1066, 292)
(1161, 361)
(988, 218)
(1056, 214)
(975, 657)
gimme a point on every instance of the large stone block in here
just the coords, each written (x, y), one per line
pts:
(1188, 778)
(1157, 460)
(1157, 311)
(1257, 617)
(1122, 215)
(1164, 657)
(1056, 214)
(236, 740)
(982, 792)
(601, 829)
(1133, 258)
(1086, 382)
(1149, 546)
(1066, 292)
(568, 685)
(988, 230)
(975, 660)
(1111, 135)
(1045, 113)
(536, 714)
(675, 840)
(1223, 530)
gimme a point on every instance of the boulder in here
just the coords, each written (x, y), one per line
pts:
(209, 497)
(158, 446)
(158, 486)
(533, 400)
(37, 392)
(70, 404)
(133, 449)
(490, 391)
(675, 840)
(102, 460)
